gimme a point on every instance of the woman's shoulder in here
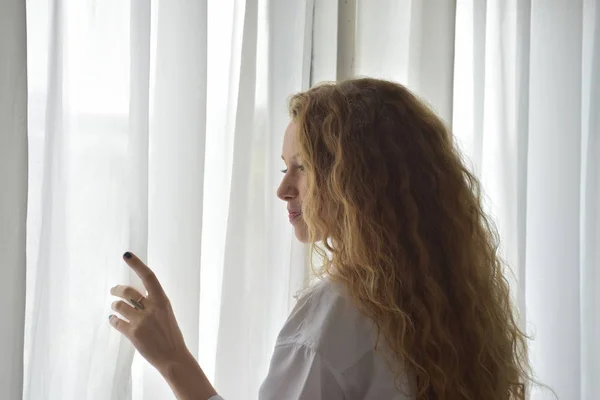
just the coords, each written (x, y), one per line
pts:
(327, 320)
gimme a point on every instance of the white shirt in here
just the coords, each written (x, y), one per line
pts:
(325, 351)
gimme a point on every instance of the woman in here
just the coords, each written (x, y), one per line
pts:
(413, 304)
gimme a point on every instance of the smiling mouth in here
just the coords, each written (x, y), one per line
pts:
(294, 216)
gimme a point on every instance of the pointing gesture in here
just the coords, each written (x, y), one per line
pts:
(147, 276)
(151, 327)
(149, 322)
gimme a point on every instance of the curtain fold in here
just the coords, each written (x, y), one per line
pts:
(13, 197)
(553, 262)
(82, 130)
(176, 166)
(262, 267)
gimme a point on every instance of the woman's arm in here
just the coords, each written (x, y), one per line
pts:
(187, 380)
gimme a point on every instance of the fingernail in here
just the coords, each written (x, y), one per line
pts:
(110, 317)
(127, 255)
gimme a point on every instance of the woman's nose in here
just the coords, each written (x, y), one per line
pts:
(286, 190)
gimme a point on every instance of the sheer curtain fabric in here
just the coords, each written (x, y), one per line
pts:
(156, 127)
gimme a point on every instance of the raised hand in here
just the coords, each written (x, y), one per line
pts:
(152, 327)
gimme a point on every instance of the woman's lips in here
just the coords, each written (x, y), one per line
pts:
(293, 216)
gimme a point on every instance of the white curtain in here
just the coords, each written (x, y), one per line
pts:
(156, 127)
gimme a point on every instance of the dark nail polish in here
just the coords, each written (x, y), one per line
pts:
(128, 255)
(110, 317)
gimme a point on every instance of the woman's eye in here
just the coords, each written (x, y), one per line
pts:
(298, 167)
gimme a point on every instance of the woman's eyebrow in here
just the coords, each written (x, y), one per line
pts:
(295, 157)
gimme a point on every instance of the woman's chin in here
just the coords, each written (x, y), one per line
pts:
(301, 233)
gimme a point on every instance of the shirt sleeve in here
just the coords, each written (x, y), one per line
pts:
(298, 372)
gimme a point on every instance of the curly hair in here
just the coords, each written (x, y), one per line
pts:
(407, 236)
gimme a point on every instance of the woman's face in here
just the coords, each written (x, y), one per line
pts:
(293, 185)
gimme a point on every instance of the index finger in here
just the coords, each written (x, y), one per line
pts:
(147, 276)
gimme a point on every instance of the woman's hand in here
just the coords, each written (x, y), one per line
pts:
(152, 327)
(153, 330)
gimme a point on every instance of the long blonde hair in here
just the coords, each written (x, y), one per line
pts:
(408, 238)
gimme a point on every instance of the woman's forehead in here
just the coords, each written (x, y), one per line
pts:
(289, 141)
